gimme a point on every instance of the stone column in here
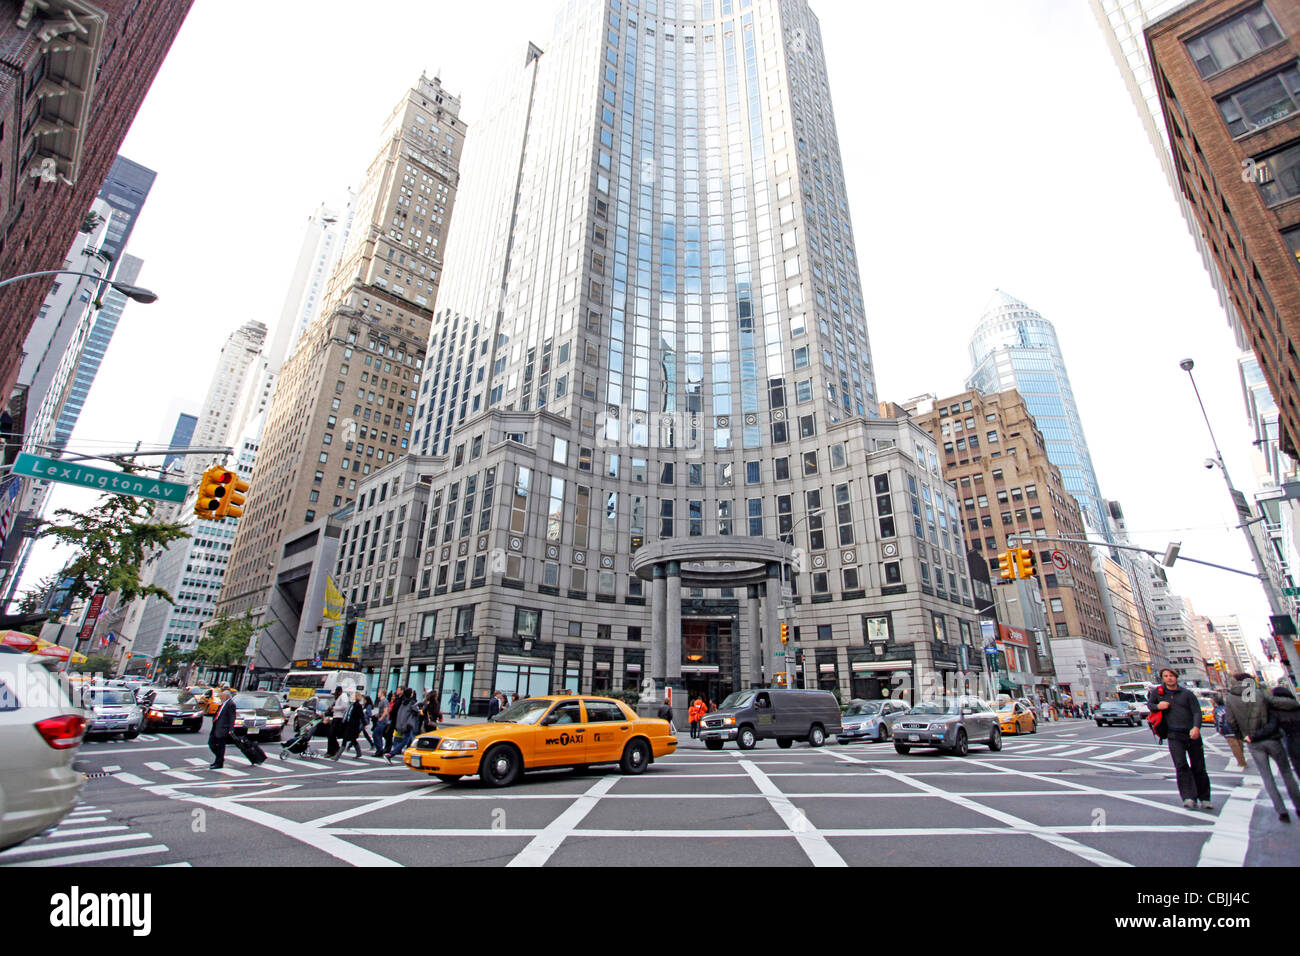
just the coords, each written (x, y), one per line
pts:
(755, 671)
(673, 644)
(655, 667)
(771, 625)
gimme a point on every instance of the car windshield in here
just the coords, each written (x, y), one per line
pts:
(255, 701)
(99, 698)
(943, 705)
(742, 698)
(166, 696)
(1114, 705)
(527, 711)
(864, 708)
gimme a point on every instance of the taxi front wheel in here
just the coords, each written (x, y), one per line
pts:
(501, 766)
(636, 757)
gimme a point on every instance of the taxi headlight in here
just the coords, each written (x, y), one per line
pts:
(458, 745)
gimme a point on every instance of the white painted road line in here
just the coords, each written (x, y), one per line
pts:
(132, 779)
(80, 858)
(1228, 843)
(26, 850)
(1075, 753)
(810, 839)
(197, 761)
(62, 833)
(1150, 758)
(181, 775)
(157, 765)
(276, 768)
(1114, 754)
(80, 819)
(541, 847)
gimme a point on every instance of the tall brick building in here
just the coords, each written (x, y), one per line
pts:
(72, 78)
(995, 454)
(1229, 87)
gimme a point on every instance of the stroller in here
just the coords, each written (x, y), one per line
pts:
(300, 745)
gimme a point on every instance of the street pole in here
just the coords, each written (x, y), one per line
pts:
(790, 650)
(1276, 607)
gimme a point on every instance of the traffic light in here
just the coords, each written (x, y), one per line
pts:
(212, 491)
(234, 497)
(1007, 565)
(785, 633)
(1026, 566)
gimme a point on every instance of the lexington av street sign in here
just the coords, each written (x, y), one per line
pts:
(120, 483)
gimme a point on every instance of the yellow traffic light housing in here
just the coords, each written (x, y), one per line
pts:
(212, 491)
(1026, 566)
(785, 633)
(1007, 565)
(234, 496)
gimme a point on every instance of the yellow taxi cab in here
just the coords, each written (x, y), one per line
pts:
(1016, 718)
(555, 731)
(208, 698)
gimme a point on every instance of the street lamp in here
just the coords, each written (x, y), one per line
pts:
(135, 292)
(791, 651)
(1276, 607)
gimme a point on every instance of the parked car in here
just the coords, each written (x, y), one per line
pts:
(258, 714)
(870, 719)
(112, 710)
(164, 709)
(949, 724)
(749, 716)
(40, 730)
(1016, 717)
(1114, 712)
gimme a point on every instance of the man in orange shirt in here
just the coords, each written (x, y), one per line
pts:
(696, 714)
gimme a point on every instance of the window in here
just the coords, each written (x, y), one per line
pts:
(1264, 101)
(824, 632)
(1278, 175)
(875, 629)
(1238, 39)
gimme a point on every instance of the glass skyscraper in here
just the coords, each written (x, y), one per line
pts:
(1015, 347)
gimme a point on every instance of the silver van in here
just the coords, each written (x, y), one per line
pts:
(774, 713)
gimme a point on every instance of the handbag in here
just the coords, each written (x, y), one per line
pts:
(1156, 720)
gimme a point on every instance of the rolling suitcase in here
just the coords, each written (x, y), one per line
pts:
(250, 749)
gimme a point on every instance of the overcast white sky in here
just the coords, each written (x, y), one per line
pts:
(985, 144)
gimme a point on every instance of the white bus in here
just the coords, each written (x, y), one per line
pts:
(300, 685)
(1135, 692)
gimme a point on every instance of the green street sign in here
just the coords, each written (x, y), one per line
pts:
(780, 653)
(116, 482)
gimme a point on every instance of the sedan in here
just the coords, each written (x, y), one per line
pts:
(258, 714)
(1015, 717)
(870, 720)
(1116, 712)
(165, 710)
(113, 710)
(949, 724)
(40, 730)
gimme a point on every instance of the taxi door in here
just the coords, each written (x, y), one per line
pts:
(561, 739)
(610, 730)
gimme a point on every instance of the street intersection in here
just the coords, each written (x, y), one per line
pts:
(1071, 795)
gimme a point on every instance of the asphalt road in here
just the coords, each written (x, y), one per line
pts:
(1071, 795)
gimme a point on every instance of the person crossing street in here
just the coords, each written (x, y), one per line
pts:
(1181, 714)
(223, 727)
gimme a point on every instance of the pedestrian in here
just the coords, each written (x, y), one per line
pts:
(494, 705)
(367, 717)
(1181, 718)
(1284, 715)
(666, 713)
(1221, 725)
(1248, 713)
(696, 714)
(429, 715)
(454, 703)
(223, 726)
(334, 720)
(350, 726)
(406, 723)
(380, 718)
(394, 696)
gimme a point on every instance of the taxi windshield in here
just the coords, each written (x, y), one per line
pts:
(528, 711)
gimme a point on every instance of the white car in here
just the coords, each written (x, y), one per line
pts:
(40, 731)
(113, 710)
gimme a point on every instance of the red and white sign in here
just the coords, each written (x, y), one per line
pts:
(1013, 635)
(92, 615)
(1059, 560)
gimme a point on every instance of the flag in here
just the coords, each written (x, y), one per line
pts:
(9, 504)
(333, 601)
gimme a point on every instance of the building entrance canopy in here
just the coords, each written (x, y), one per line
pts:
(718, 561)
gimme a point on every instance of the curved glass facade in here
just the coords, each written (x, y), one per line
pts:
(1015, 347)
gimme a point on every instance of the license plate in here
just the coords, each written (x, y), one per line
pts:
(177, 722)
(913, 736)
(417, 760)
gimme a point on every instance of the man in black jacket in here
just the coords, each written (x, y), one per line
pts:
(1249, 708)
(1182, 719)
(223, 725)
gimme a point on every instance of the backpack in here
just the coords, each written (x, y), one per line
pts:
(1156, 720)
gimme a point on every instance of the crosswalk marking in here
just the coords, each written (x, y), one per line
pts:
(80, 858)
(156, 765)
(1151, 757)
(1076, 752)
(196, 761)
(1114, 754)
(181, 775)
(28, 850)
(275, 768)
(132, 779)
